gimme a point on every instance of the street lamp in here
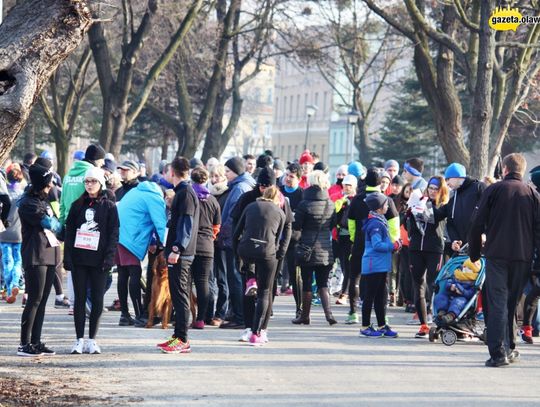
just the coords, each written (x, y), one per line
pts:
(352, 119)
(310, 111)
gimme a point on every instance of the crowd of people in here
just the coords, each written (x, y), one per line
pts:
(248, 229)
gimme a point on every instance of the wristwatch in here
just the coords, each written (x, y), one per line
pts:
(175, 249)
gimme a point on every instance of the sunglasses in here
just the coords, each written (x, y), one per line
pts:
(91, 181)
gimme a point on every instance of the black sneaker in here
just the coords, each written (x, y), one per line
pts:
(61, 303)
(28, 350)
(513, 356)
(126, 320)
(497, 362)
(45, 351)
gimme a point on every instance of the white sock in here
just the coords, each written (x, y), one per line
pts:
(60, 297)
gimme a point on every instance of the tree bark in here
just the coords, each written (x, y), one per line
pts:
(35, 37)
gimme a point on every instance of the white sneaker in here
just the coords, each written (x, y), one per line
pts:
(246, 334)
(429, 319)
(93, 347)
(414, 320)
(264, 335)
(78, 347)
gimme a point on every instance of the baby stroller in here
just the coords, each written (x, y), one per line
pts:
(465, 323)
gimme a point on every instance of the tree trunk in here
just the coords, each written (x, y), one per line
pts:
(30, 140)
(35, 37)
(361, 136)
(482, 109)
(62, 154)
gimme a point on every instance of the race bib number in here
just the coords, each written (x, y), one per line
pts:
(51, 238)
(86, 240)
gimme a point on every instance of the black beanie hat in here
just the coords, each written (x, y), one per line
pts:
(195, 162)
(43, 162)
(264, 161)
(40, 176)
(322, 167)
(236, 165)
(267, 177)
(373, 178)
(375, 200)
(94, 152)
(398, 180)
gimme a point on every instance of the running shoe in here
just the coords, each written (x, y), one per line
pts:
(414, 320)
(352, 319)
(526, 334)
(166, 343)
(371, 332)
(387, 332)
(246, 334)
(44, 350)
(28, 350)
(251, 288)
(177, 346)
(256, 340)
(423, 332)
(78, 347)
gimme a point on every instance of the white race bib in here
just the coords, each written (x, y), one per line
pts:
(86, 240)
(51, 238)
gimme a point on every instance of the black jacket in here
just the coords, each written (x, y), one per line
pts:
(293, 200)
(459, 210)
(209, 217)
(184, 222)
(426, 236)
(125, 188)
(258, 231)
(316, 212)
(104, 217)
(36, 250)
(509, 215)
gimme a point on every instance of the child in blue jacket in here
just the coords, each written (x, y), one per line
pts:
(376, 263)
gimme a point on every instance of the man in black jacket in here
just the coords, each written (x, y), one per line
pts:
(509, 215)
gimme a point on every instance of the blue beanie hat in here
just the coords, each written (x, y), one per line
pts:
(46, 154)
(78, 155)
(356, 169)
(455, 170)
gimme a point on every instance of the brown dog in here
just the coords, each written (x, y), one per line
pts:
(161, 302)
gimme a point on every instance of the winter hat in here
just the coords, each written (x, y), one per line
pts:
(109, 156)
(398, 180)
(40, 176)
(375, 200)
(78, 155)
(350, 180)
(278, 165)
(391, 164)
(47, 155)
(94, 152)
(44, 162)
(195, 162)
(266, 177)
(322, 167)
(96, 173)
(384, 174)
(455, 170)
(264, 161)
(306, 158)
(372, 178)
(109, 165)
(355, 168)
(130, 165)
(236, 165)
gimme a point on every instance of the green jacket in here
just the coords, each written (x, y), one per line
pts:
(73, 187)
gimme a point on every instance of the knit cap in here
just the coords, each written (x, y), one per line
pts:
(236, 165)
(455, 170)
(266, 177)
(391, 164)
(375, 200)
(306, 157)
(94, 152)
(40, 176)
(355, 168)
(350, 180)
(97, 174)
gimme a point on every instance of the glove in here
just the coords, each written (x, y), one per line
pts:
(6, 223)
(398, 244)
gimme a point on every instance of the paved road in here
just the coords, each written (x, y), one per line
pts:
(315, 365)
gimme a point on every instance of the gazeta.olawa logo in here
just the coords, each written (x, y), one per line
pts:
(505, 19)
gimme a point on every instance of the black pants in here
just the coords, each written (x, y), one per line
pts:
(375, 297)
(265, 271)
(344, 250)
(39, 281)
(404, 275)
(201, 268)
(321, 276)
(58, 289)
(130, 276)
(354, 281)
(85, 277)
(147, 298)
(180, 287)
(531, 304)
(295, 278)
(424, 268)
(504, 284)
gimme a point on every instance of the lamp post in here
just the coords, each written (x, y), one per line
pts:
(352, 118)
(310, 111)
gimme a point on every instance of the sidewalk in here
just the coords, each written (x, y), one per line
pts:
(302, 365)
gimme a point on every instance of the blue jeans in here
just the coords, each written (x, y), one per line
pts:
(12, 263)
(236, 289)
(220, 272)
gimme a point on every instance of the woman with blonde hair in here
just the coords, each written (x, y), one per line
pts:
(314, 218)
(257, 240)
(426, 246)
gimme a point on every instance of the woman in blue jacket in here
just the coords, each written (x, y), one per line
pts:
(376, 263)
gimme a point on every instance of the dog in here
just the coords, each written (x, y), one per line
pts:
(161, 302)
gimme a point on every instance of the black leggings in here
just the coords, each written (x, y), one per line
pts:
(39, 281)
(200, 269)
(375, 297)
(321, 276)
(130, 275)
(85, 277)
(295, 279)
(354, 281)
(405, 279)
(424, 268)
(344, 250)
(58, 289)
(265, 272)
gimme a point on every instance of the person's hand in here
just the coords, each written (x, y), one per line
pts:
(397, 245)
(152, 249)
(456, 245)
(453, 287)
(173, 258)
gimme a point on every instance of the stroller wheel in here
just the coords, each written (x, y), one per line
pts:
(448, 337)
(433, 334)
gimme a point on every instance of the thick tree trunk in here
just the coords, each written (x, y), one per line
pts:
(62, 154)
(482, 109)
(35, 37)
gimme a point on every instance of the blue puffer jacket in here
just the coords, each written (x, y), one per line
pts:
(141, 212)
(378, 252)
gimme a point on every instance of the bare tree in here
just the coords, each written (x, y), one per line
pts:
(35, 37)
(455, 50)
